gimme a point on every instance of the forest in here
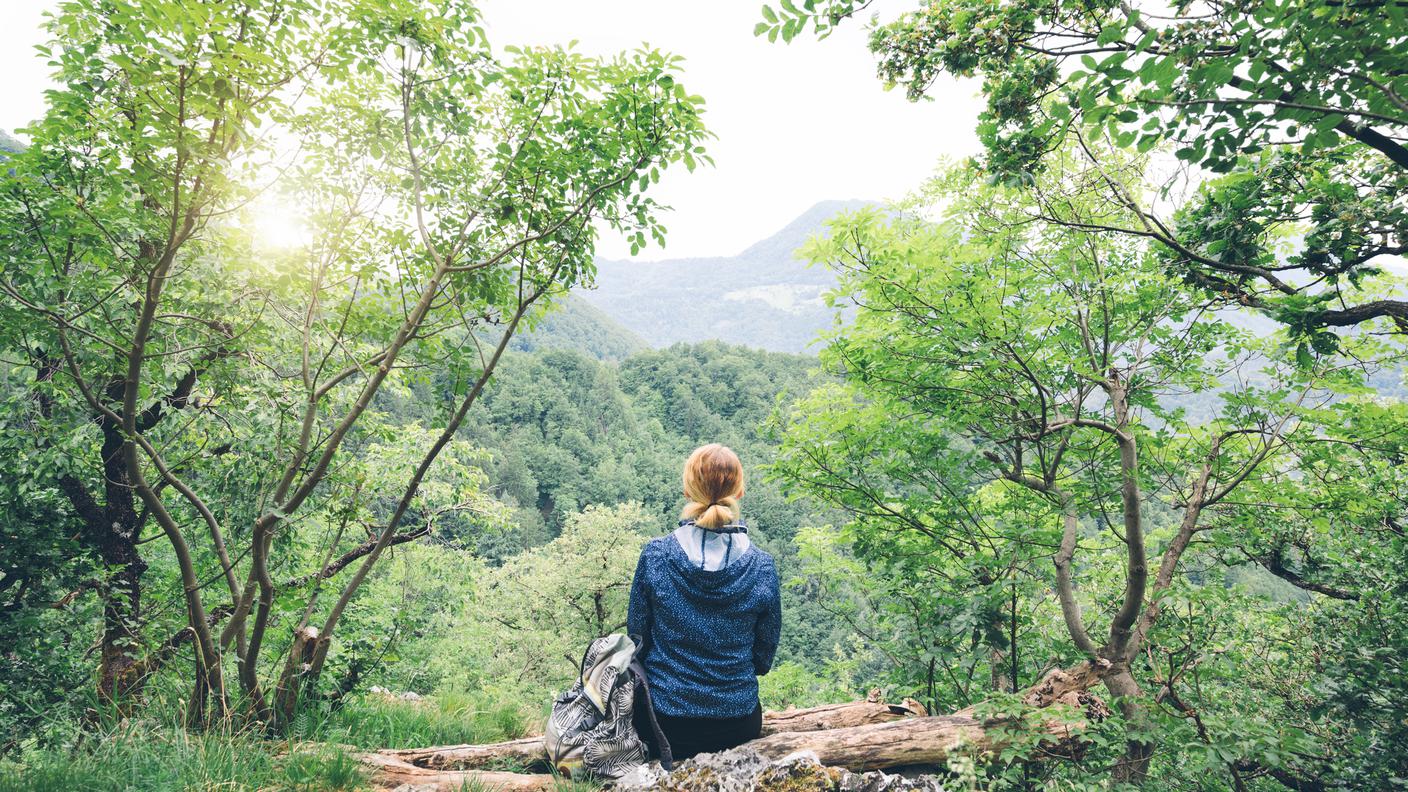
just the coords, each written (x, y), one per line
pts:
(1098, 462)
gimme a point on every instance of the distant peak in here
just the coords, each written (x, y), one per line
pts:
(791, 236)
(9, 143)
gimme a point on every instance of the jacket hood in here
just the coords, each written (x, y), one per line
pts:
(732, 582)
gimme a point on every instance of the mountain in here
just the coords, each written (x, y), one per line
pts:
(9, 143)
(761, 297)
(575, 324)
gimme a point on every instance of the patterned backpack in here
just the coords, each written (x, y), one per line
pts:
(590, 727)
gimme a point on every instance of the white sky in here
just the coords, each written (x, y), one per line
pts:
(796, 123)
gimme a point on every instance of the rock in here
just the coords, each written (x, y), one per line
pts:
(643, 777)
(744, 770)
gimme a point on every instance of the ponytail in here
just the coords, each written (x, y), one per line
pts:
(713, 485)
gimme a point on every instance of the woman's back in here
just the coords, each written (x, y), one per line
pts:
(705, 604)
(708, 633)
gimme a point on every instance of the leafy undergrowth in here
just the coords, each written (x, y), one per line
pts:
(382, 721)
(155, 754)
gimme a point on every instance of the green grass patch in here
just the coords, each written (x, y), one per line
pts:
(159, 759)
(376, 721)
(155, 753)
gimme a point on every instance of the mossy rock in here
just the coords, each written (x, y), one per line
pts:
(799, 777)
(742, 770)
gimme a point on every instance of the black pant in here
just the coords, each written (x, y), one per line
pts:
(690, 736)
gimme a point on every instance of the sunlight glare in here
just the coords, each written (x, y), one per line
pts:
(276, 225)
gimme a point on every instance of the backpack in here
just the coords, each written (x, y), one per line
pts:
(590, 728)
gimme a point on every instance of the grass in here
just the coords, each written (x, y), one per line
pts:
(445, 719)
(156, 754)
(158, 759)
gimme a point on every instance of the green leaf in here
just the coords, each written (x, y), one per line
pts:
(1110, 34)
(1303, 356)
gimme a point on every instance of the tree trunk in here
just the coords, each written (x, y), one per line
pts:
(122, 608)
(292, 680)
(1133, 767)
(111, 530)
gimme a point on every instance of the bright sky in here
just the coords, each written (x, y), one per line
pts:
(796, 123)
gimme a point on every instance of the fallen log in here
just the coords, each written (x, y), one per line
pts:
(931, 740)
(1070, 686)
(390, 773)
(859, 735)
(838, 716)
(523, 752)
(528, 751)
(907, 742)
(913, 741)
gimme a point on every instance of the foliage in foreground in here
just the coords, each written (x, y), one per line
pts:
(171, 759)
(180, 375)
(1025, 486)
(156, 752)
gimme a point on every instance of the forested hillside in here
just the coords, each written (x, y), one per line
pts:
(577, 324)
(563, 432)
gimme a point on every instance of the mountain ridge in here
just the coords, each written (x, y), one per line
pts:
(761, 297)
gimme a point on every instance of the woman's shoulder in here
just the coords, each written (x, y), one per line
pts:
(657, 546)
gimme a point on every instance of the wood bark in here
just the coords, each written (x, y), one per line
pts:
(838, 716)
(112, 530)
(523, 752)
(914, 741)
(389, 773)
(932, 739)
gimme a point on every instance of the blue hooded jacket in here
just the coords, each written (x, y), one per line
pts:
(707, 634)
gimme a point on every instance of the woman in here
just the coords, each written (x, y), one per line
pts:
(705, 604)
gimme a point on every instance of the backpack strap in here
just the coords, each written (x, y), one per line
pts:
(667, 760)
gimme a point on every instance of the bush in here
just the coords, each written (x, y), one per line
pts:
(530, 620)
(791, 684)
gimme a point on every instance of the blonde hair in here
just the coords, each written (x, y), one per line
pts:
(713, 483)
